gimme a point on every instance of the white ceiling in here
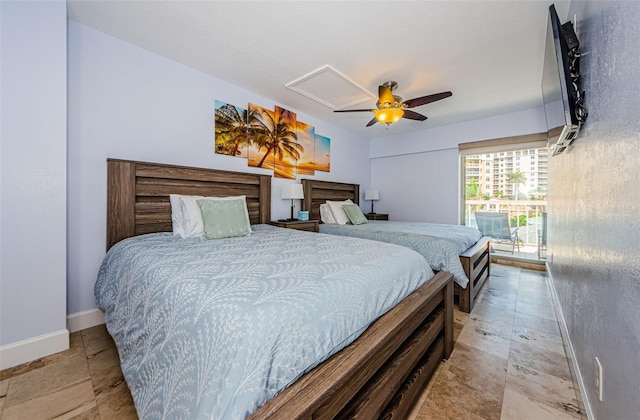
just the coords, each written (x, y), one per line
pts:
(488, 53)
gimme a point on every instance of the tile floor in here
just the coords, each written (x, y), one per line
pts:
(508, 363)
(509, 360)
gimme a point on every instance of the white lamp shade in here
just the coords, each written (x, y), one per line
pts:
(371, 195)
(292, 191)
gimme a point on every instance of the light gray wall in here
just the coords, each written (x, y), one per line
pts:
(418, 173)
(33, 170)
(128, 103)
(594, 210)
(420, 187)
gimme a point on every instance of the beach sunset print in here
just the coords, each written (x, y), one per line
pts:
(323, 153)
(285, 144)
(231, 136)
(259, 154)
(306, 138)
(273, 140)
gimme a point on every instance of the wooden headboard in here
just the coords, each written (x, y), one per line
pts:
(317, 192)
(138, 194)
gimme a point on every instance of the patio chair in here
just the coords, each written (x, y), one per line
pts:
(496, 226)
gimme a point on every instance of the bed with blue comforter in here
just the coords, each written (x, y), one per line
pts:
(215, 328)
(440, 244)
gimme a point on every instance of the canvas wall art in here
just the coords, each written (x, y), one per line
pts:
(231, 130)
(306, 138)
(323, 153)
(270, 139)
(259, 133)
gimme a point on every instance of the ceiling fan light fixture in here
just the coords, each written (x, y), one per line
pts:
(391, 108)
(389, 115)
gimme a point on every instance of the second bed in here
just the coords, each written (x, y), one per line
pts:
(460, 250)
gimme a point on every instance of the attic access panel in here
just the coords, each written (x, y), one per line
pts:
(329, 87)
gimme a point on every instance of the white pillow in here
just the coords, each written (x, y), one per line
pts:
(192, 225)
(338, 212)
(325, 215)
(176, 214)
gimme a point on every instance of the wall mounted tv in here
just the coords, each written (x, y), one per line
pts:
(563, 101)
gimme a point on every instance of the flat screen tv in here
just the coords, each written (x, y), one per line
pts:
(563, 101)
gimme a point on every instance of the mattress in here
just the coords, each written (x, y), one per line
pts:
(439, 244)
(214, 329)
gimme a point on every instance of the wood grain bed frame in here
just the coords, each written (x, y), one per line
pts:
(476, 260)
(381, 374)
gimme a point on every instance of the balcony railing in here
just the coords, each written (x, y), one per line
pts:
(524, 214)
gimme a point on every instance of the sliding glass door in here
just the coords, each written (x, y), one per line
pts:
(505, 197)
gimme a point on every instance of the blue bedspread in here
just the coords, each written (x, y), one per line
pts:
(214, 329)
(440, 244)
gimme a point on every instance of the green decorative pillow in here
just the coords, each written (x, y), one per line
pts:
(354, 214)
(224, 218)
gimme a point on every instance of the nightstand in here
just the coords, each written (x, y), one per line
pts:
(377, 216)
(308, 225)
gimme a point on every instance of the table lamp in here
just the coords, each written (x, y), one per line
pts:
(372, 195)
(292, 192)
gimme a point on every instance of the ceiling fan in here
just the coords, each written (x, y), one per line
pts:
(391, 108)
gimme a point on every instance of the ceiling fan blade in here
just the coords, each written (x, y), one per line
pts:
(385, 95)
(373, 121)
(423, 100)
(411, 115)
(352, 110)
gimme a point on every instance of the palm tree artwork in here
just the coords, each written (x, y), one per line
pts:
(273, 141)
(306, 137)
(231, 129)
(287, 148)
(323, 153)
(268, 139)
(257, 156)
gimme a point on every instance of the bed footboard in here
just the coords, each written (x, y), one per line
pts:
(384, 370)
(476, 262)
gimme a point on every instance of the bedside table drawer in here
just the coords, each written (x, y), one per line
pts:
(377, 216)
(306, 225)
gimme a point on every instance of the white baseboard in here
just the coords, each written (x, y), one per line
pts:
(569, 348)
(24, 351)
(85, 319)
